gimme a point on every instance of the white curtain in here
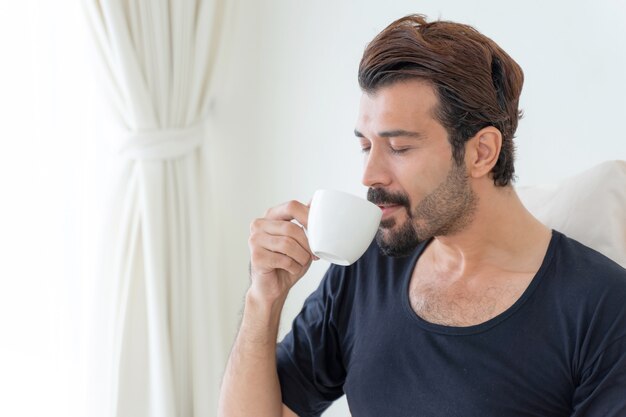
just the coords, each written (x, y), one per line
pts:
(164, 336)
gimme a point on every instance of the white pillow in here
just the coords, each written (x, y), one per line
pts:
(589, 207)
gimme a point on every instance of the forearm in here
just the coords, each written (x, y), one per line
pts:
(250, 385)
(279, 256)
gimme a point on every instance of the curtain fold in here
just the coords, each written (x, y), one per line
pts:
(159, 57)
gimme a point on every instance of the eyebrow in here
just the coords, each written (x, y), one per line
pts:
(393, 134)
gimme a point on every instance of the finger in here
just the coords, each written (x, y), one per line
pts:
(264, 260)
(284, 245)
(292, 210)
(281, 228)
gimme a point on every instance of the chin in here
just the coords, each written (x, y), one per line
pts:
(397, 241)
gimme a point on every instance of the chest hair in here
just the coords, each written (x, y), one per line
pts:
(459, 305)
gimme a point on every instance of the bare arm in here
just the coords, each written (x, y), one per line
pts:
(280, 256)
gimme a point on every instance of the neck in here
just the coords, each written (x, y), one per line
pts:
(502, 236)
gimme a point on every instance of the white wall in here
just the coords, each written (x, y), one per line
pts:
(298, 77)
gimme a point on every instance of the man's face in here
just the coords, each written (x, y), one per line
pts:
(409, 167)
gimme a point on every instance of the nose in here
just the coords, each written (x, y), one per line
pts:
(376, 170)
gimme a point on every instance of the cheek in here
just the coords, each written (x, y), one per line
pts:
(419, 178)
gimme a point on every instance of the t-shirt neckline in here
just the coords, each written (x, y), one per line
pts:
(481, 327)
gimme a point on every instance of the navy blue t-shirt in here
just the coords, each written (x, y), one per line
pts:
(560, 350)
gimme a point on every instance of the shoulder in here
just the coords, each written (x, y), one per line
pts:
(586, 279)
(584, 266)
(582, 287)
(590, 290)
(580, 302)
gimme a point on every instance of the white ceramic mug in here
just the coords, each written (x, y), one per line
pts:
(341, 226)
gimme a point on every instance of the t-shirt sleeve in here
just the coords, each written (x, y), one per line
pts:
(309, 359)
(602, 391)
(601, 385)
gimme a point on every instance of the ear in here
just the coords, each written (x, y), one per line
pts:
(482, 151)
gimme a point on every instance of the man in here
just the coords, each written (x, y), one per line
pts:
(466, 304)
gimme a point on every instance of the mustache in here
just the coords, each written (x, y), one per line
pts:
(380, 196)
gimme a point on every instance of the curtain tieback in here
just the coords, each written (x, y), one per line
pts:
(162, 143)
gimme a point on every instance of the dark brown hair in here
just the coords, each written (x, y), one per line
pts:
(478, 84)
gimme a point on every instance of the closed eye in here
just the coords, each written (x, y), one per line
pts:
(399, 151)
(394, 151)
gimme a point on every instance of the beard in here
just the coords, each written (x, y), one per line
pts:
(448, 209)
